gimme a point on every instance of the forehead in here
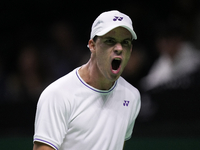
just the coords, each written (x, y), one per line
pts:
(118, 33)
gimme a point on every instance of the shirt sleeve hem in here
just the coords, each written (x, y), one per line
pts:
(46, 142)
(128, 138)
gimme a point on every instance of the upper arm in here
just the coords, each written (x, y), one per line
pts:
(51, 121)
(41, 146)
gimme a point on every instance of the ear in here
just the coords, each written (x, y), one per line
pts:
(91, 45)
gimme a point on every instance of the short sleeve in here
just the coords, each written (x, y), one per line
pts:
(51, 121)
(129, 131)
(135, 112)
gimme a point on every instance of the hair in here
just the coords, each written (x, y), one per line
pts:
(95, 38)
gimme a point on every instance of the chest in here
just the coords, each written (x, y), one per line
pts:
(99, 114)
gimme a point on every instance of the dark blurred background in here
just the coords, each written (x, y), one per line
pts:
(41, 41)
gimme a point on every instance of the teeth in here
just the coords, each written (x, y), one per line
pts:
(117, 59)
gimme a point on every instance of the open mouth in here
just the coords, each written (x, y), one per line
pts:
(116, 63)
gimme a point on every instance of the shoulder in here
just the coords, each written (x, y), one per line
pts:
(128, 87)
(131, 93)
(132, 96)
(59, 90)
(62, 84)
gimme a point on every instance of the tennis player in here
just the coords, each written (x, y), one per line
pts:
(92, 107)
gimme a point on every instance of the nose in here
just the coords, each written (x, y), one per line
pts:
(118, 48)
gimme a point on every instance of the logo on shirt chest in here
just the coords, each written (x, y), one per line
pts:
(126, 103)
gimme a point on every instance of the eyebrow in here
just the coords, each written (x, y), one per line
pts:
(116, 39)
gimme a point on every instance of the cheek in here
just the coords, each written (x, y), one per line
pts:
(102, 58)
(127, 57)
(103, 53)
(128, 54)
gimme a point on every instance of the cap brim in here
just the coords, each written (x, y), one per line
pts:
(106, 30)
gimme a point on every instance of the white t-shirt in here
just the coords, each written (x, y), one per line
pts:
(72, 115)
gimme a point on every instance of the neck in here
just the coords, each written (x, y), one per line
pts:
(92, 76)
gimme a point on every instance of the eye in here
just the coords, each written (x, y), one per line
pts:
(126, 43)
(110, 41)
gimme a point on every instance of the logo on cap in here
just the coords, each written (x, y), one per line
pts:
(117, 18)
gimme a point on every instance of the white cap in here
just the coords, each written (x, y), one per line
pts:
(109, 20)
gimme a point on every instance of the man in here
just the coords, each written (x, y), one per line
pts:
(92, 107)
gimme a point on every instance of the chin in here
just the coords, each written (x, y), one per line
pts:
(114, 77)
